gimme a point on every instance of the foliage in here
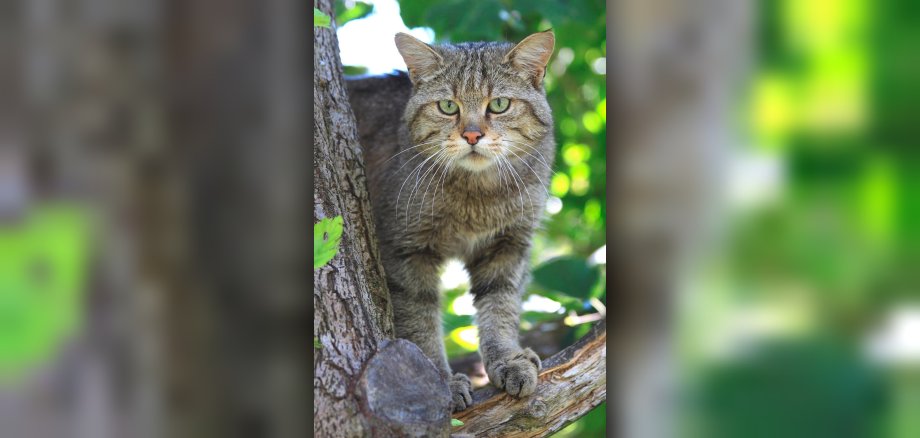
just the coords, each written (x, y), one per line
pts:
(829, 102)
(327, 233)
(43, 268)
(836, 393)
(320, 19)
(357, 11)
(593, 424)
(455, 422)
(569, 275)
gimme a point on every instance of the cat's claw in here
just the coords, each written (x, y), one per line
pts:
(516, 374)
(460, 389)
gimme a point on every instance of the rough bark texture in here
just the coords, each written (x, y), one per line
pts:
(399, 393)
(572, 382)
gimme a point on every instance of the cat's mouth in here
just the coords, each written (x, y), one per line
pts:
(476, 160)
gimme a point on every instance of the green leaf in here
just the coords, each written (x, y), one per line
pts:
(354, 70)
(600, 288)
(45, 261)
(357, 12)
(316, 343)
(568, 302)
(327, 233)
(413, 11)
(569, 275)
(455, 422)
(538, 317)
(467, 21)
(320, 19)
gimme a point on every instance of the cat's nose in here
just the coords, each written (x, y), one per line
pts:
(472, 137)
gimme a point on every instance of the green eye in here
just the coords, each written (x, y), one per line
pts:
(499, 105)
(448, 107)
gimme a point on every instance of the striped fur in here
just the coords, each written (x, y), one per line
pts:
(433, 202)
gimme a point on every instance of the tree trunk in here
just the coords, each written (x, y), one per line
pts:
(365, 384)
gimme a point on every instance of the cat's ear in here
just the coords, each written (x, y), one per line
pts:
(532, 54)
(420, 58)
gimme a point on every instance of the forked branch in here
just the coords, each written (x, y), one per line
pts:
(572, 382)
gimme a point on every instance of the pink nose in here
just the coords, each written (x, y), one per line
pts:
(472, 137)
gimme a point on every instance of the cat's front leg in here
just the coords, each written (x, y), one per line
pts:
(413, 283)
(498, 274)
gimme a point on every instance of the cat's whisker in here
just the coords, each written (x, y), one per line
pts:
(409, 149)
(428, 149)
(513, 173)
(542, 184)
(437, 162)
(447, 167)
(541, 158)
(443, 179)
(502, 181)
(408, 177)
(526, 187)
(415, 188)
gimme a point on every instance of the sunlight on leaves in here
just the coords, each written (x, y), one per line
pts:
(466, 337)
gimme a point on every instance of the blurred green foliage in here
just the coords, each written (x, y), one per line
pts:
(795, 388)
(834, 99)
(43, 266)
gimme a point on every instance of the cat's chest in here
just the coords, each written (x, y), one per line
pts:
(465, 223)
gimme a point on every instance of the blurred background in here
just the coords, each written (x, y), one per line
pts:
(153, 184)
(764, 241)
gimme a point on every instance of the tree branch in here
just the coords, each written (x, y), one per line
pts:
(572, 382)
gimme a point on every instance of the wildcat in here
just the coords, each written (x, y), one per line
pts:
(459, 155)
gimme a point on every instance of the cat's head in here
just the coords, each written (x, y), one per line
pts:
(477, 105)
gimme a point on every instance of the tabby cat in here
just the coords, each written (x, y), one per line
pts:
(459, 155)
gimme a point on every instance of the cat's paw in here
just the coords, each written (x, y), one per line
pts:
(460, 389)
(516, 374)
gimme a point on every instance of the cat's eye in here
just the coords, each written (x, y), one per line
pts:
(499, 105)
(448, 107)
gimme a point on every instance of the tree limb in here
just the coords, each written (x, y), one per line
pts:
(571, 383)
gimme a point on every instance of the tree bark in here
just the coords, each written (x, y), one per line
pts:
(571, 383)
(365, 384)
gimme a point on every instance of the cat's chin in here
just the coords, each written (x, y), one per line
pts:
(475, 162)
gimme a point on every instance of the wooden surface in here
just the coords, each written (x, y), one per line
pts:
(572, 382)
